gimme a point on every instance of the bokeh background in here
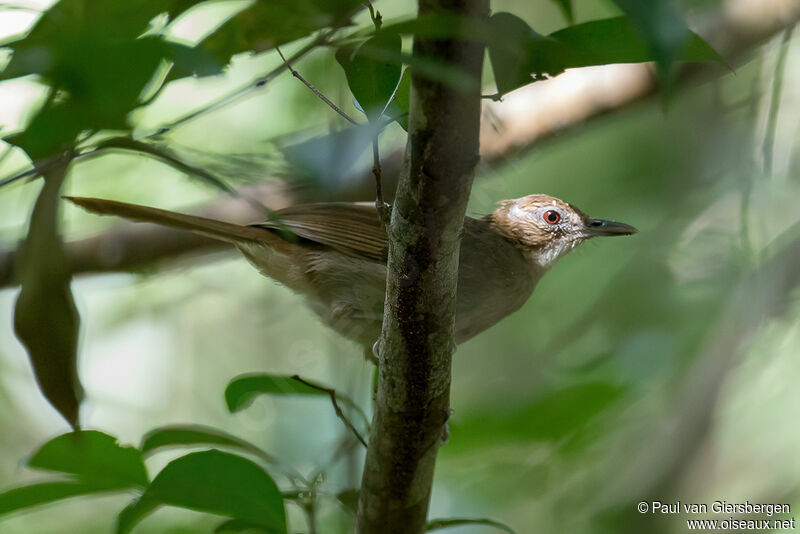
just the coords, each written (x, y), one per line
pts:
(658, 367)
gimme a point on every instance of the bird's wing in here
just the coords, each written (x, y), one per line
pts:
(348, 227)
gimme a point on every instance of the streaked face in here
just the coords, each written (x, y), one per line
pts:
(551, 228)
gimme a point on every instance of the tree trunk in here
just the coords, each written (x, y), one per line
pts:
(416, 345)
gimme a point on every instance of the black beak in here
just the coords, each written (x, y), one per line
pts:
(600, 227)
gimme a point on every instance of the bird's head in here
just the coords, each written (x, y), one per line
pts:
(547, 228)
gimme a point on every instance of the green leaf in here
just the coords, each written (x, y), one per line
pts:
(437, 524)
(662, 26)
(614, 40)
(438, 26)
(270, 23)
(52, 129)
(93, 55)
(519, 55)
(46, 320)
(190, 61)
(237, 526)
(371, 73)
(46, 492)
(93, 19)
(94, 457)
(98, 83)
(189, 435)
(241, 391)
(566, 8)
(213, 482)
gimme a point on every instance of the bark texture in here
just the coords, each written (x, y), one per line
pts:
(417, 343)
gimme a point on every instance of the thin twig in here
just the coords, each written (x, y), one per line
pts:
(316, 91)
(243, 90)
(19, 175)
(377, 18)
(310, 508)
(339, 413)
(775, 102)
(380, 205)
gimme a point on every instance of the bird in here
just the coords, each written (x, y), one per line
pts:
(335, 254)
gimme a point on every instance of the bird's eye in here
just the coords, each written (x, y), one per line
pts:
(552, 217)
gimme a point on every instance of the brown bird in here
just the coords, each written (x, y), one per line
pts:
(335, 255)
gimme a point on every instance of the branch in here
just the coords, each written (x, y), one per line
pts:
(316, 91)
(417, 343)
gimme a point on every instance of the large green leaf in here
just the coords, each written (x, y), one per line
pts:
(662, 26)
(614, 40)
(371, 73)
(520, 56)
(94, 458)
(53, 129)
(92, 20)
(102, 82)
(192, 435)
(213, 482)
(46, 492)
(98, 64)
(46, 320)
(270, 23)
(437, 26)
(242, 390)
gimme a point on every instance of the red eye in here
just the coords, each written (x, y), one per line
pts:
(552, 217)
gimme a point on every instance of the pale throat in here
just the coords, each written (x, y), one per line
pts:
(546, 255)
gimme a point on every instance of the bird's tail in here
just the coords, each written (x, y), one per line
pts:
(231, 233)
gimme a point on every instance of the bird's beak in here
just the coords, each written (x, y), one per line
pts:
(601, 227)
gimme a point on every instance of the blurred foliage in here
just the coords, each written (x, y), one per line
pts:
(624, 379)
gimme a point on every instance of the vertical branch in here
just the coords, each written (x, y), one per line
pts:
(416, 345)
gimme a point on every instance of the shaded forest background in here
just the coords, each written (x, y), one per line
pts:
(659, 367)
